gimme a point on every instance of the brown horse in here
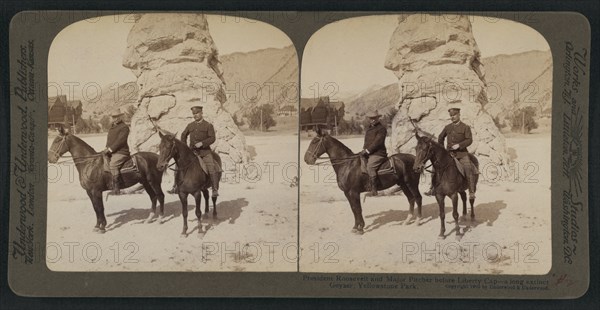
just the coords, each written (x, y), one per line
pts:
(94, 179)
(352, 181)
(191, 177)
(448, 179)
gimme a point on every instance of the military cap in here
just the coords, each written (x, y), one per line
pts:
(454, 111)
(197, 107)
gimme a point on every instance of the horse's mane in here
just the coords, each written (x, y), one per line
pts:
(83, 143)
(340, 144)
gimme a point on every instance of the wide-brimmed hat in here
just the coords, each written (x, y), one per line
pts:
(373, 114)
(117, 112)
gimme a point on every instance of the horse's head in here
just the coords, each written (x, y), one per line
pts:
(316, 147)
(424, 152)
(59, 146)
(167, 149)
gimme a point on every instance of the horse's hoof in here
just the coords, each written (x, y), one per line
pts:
(183, 235)
(96, 229)
(100, 231)
(441, 237)
(358, 231)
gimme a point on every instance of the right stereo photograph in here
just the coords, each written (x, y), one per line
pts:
(425, 147)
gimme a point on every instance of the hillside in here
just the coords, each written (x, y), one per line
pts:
(524, 78)
(270, 75)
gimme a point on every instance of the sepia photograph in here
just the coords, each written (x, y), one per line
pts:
(172, 145)
(425, 146)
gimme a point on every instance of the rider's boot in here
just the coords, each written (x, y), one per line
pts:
(373, 185)
(214, 178)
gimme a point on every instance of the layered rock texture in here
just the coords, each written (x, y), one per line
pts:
(177, 66)
(437, 62)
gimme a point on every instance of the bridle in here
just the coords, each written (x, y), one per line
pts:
(428, 156)
(62, 141)
(334, 162)
(79, 159)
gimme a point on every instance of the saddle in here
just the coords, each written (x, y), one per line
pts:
(387, 167)
(216, 160)
(129, 166)
(461, 167)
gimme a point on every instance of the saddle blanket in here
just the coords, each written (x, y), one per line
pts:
(386, 168)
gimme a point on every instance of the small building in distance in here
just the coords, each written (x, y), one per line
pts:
(288, 110)
(63, 112)
(320, 111)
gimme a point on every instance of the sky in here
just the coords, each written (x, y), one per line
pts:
(89, 53)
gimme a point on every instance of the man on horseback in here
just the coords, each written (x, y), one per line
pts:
(202, 135)
(374, 148)
(459, 138)
(117, 150)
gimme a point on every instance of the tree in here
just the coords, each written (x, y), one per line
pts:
(262, 113)
(523, 120)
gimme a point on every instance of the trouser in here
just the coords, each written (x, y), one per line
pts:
(373, 163)
(212, 166)
(470, 172)
(116, 162)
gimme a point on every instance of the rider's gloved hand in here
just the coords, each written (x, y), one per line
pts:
(199, 144)
(455, 147)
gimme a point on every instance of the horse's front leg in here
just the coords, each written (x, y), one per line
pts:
(184, 212)
(442, 210)
(359, 222)
(454, 198)
(96, 203)
(198, 198)
(463, 197)
(206, 204)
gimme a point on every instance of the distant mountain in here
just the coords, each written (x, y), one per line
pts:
(514, 81)
(382, 100)
(270, 75)
(113, 96)
(518, 80)
(253, 78)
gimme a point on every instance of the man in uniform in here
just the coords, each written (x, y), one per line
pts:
(202, 135)
(374, 148)
(459, 138)
(117, 150)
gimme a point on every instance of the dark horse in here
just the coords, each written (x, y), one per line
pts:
(449, 181)
(191, 177)
(352, 181)
(94, 179)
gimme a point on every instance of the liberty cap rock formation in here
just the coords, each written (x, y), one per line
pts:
(437, 62)
(177, 66)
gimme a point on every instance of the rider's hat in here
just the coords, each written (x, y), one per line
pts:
(454, 111)
(373, 114)
(196, 108)
(116, 113)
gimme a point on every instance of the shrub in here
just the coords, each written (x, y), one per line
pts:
(523, 120)
(264, 112)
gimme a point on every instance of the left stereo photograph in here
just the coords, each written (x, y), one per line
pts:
(172, 145)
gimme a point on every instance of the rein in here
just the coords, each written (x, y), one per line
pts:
(78, 160)
(334, 162)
